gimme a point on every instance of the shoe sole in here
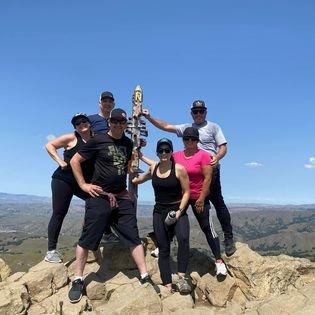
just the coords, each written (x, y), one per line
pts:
(76, 301)
(184, 292)
(229, 254)
(53, 262)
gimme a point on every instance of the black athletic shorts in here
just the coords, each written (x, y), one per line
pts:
(98, 215)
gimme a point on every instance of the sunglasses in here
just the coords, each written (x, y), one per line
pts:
(118, 121)
(161, 151)
(80, 121)
(190, 138)
(198, 111)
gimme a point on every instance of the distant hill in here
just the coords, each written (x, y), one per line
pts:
(20, 198)
(6, 198)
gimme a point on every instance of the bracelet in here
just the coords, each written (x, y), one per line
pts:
(181, 210)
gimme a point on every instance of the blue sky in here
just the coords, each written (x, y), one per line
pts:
(251, 61)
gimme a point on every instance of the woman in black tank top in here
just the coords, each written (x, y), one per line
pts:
(171, 188)
(63, 184)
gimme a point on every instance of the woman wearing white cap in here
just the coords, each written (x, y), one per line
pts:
(63, 184)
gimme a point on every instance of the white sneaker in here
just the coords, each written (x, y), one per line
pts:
(155, 253)
(220, 268)
(53, 256)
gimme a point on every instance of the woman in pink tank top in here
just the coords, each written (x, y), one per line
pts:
(197, 164)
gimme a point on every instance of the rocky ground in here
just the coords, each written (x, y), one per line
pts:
(255, 285)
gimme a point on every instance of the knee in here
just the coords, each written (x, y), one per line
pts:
(183, 240)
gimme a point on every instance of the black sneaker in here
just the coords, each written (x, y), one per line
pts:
(148, 279)
(76, 291)
(229, 246)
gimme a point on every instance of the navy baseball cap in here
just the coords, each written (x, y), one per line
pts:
(118, 114)
(107, 95)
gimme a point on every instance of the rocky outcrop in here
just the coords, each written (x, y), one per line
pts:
(44, 279)
(254, 285)
(5, 270)
(14, 298)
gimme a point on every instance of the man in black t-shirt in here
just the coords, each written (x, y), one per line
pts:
(109, 198)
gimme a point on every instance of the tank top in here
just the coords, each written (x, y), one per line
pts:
(66, 174)
(166, 190)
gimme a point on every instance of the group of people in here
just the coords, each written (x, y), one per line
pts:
(97, 158)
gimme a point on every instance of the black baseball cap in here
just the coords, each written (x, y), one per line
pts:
(191, 132)
(107, 95)
(199, 104)
(79, 115)
(118, 114)
(164, 141)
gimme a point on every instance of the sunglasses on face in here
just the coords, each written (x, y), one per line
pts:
(166, 150)
(80, 121)
(118, 121)
(198, 111)
(190, 139)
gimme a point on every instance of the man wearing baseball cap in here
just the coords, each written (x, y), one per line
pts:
(99, 124)
(212, 140)
(109, 201)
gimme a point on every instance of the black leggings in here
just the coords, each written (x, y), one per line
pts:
(62, 193)
(164, 237)
(205, 222)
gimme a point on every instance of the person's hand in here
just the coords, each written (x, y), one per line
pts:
(214, 160)
(199, 204)
(63, 164)
(145, 113)
(143, 142)
(92, 190)
(178, 214)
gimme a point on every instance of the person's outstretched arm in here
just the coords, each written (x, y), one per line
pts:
(143, 177)
(158, 123)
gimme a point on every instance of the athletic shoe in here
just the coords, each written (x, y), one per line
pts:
(110, 238)
(148, 279)
(155, 253)
(76, 291)
(229, 246)
(53, 256)
(220, 268)
(183, 286)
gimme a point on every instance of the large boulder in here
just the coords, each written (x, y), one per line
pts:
(14, 298)
(44, 279)
(259, 277)
(176, 302)
(127, 296)
(59, 304)
(299, 302)
(217, 292)
(5, 270)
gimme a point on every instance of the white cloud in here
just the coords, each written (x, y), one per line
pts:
(311, 163)
(253, 164)
(50, 137)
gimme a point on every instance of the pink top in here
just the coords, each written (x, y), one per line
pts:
(193, 165)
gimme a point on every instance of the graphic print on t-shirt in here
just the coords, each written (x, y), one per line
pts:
(118, 154)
